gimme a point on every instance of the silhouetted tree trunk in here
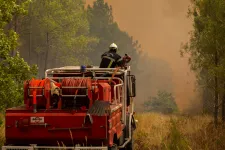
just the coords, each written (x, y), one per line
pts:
(47, 42)
(46, 53)
(223, 105)
(216, 91)
(30, 34)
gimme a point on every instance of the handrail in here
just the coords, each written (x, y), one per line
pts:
(77, 68)
(74, 87)
(121, 81)
(115, 87)
(124, 101)
(72, 73)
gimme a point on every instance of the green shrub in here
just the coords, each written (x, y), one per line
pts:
(163, 103)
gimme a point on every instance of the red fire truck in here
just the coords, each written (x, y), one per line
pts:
(74, 107)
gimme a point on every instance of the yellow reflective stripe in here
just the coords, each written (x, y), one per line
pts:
(109, 58)
(110, 64)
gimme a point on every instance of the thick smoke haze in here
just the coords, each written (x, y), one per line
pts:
(160, 26)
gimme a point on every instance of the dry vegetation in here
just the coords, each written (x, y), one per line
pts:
(161, 132)
(175, 132)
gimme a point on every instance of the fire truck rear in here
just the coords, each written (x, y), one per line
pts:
(74, 107)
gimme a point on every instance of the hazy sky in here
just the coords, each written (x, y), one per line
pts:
(160, 26)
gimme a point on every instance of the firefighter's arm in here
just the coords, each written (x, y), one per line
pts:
(120, 62)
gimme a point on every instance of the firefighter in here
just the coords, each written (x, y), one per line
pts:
(111, 59)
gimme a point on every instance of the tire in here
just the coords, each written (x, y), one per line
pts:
(130, 145)
(117, 142)
(114, 147)
(121, 140)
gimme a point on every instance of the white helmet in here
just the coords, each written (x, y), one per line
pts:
(113, 46)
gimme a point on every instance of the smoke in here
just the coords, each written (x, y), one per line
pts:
(160, 26)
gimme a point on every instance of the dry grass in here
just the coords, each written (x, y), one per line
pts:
(152, 129)
(163, 132)
(175, 132)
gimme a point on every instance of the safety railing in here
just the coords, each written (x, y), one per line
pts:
(122, 97)
(73, 87)
(77, 69)
(117, 93)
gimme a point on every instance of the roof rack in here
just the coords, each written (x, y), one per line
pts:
(76, 69)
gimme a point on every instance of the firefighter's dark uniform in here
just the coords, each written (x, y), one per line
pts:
(111, 60)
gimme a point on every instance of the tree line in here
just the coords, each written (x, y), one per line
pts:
(41, 34)
(58, 33)
(207, 50)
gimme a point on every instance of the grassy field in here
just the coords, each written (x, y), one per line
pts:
(175, 132)
(163, 132)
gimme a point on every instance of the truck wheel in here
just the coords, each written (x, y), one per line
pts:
(121, 140)
(130, 145)
(114, 147)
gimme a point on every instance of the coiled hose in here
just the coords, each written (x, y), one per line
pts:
(71, 82)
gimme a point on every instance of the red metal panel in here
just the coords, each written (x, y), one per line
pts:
(116, 125)
(48, 127)
(104, 92)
